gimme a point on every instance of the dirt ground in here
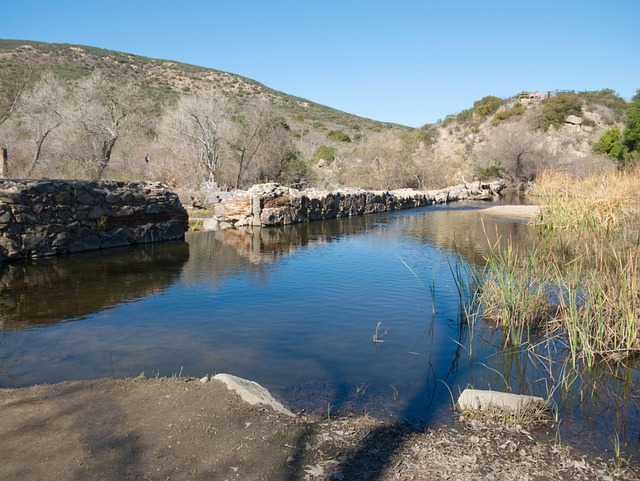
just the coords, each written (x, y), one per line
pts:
(184, 429)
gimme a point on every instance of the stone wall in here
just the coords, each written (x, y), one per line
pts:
(272, 204)
(50, 217)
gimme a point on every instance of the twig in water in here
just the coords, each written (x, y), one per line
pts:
(376, 335)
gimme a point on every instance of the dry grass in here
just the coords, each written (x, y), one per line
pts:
(585, 264)
(602, 203)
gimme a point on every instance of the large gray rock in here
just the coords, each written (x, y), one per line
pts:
(252, 392)
(477, 399)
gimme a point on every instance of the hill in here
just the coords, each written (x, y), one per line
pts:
(162, 80)
(89, 112)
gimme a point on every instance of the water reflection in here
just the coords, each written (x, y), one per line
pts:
(45, 291)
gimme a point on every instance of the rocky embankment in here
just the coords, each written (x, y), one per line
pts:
(273, 205)
(50, 217)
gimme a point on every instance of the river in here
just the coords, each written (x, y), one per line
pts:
(297, 309)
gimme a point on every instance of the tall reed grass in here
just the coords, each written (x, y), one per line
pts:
(581, 280)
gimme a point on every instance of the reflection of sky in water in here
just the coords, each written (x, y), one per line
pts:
(293, 309)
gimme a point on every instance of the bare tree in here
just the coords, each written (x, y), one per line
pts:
(12, 91)
(101, 113)
(11, 94)
(198, 123)
(277, 158)
(383, 161)
(248, 133)
(41, 113)
(520, 152)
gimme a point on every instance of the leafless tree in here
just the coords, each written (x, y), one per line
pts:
(11, 94)
(519, 151)
(100, 114)
(198, 122)
(383, 161)
(277, 158)
(12, 90)
(41, 113)
(249, 129)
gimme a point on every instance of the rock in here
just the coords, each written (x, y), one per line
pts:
(48, 217)
(274, 205)
(204, 379)
(573, 120)
(211, 224)
(477, 399)
(252, 392)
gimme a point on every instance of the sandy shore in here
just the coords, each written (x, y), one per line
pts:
(512, 211)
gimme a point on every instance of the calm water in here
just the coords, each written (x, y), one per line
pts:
(295, 309)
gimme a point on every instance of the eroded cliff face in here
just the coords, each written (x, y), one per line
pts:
(52, 217)
(272, 204)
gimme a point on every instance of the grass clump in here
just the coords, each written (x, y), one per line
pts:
(598, 219)
(581, 280)
(530, 416)
(513, 291)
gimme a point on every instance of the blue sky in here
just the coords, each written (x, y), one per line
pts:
(406, 61)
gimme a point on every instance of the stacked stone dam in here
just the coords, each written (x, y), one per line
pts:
(50, 217)
(273, 205)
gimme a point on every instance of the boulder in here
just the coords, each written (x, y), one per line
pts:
(252, 392)
(477, 399)
(573, 120)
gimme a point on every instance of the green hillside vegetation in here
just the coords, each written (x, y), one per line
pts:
(72, 111)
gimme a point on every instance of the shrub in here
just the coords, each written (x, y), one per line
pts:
(487, 105)
(608, 98)
(325, 152)
(414, 137)
(512, 113)
(631, 134)
(465, 116)
(495, 171)
(610, 144)
(556, 109)
(338, 136)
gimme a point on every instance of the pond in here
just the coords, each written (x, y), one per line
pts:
(297, 310)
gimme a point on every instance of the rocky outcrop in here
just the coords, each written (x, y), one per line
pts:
(272, 204)
(50, 217)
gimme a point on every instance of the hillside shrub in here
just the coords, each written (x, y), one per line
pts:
(325, 152)
(487, 105)
(610, 144)
(608, 98)
(556, 109)
(509, 114)
(338, 136)
(465, 116)
(631, 134)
